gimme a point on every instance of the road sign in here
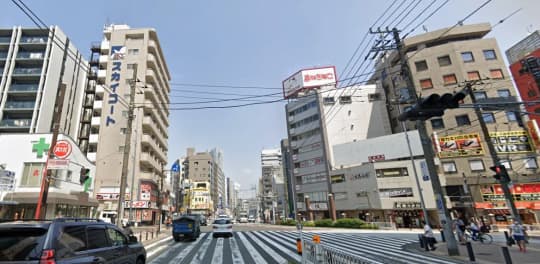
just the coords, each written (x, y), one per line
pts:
(62, 149)
(7, 187)
(7, 174)
(175, 167)
(59, 164)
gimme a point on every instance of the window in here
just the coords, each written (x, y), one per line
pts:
(21, 244)
(444, 61)
(480, 95)
(426, 84)
(437, 123)
(337, 178)
(503, 93)
(496, 74)
(117, 238)
(449, 167)
(131, 66)
(463, 120)
(530, 163)
(490, 55)
(488, 117)
(473, 75)
(392, 172)
(97, 238)
(72, 239)
(511, 116)
(374, 97)
(133, 51)
(467, 56)
(32, 173)
(449, 79)
(395, 192)
(421, 65)
(345, 99)
(506, 164)
(328, 100)
(476, 165)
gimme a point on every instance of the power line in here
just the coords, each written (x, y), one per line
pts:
(225, 86)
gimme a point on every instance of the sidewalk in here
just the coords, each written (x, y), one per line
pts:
(489, 254)
(148, 234)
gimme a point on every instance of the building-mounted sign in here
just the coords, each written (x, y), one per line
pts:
(137, 204)
(309, 79)
(511, 142)
(407, 205)
(111, 196)
(117, 55)
(376, 158)
(459, 146)
(58, 164)
(62, 149)
(40, 148)
(318, 206)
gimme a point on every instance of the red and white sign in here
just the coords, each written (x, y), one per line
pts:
(62, 149)
(309, 78)
(376, 158)
(137, 204)
(57, 164)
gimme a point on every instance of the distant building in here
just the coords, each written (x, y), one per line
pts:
(273, 194)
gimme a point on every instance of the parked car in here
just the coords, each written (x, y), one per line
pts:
(243, 219)
(251, 219)
(186, 227)
(68, 240)
(222, 227)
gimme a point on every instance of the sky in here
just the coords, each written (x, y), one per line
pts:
(256, 43)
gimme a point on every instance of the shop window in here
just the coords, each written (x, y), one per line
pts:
(449, 167)
(426, 84)
(444, 61)
(496, 74)
(449, 79)
(32, 173)
(476, 165)
(421, 65)
(473, 75)
(437, 123)
(467, 56)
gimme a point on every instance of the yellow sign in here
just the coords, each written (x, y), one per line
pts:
(316, 239)
(511, 142)
(460, 146)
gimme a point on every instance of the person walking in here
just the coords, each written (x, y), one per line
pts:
(459, 226)
(430, 237)
(517, 231)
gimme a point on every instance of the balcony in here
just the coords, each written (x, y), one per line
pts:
(148, 122)
(98, 104)
(105, 46)
(148, 160)
(20, 123)
(102, 74)
(24, 88)
(91, 156)
(27, 71)
(149, 141)
(30, 55)
(20, 105)
(33, 40)
(96, 120)
(93, 138)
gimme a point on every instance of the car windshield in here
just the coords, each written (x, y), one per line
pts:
(222, 221)
(18, 244)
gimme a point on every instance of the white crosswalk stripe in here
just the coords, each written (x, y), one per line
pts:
(268, 247)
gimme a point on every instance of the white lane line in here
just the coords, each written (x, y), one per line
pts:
(269, 239)
(155, 251)
(174, 248)
(188, 249)
(252, 251)
(202, 251)
(236, 254)
(278, 258)
(218, 252)
(157, 243)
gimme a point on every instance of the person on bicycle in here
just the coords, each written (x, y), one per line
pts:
(475, 230)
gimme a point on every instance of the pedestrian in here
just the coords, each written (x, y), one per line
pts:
(127, 230)
(517, 231)
(460, 227)
(430, 237)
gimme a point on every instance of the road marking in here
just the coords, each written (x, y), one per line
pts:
(252, 251)
(218, 252)
(157, 243)
(153, 252)
(236, 254)
(279, 246)
(201, 251)
(278, 258)
(187, 250)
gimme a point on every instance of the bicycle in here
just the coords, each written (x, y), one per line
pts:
(484, 238)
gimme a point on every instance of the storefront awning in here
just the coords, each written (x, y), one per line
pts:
(55, 198)
(483, 205)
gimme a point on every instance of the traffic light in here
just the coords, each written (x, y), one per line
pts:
(433, 105)
(85, 175)
(500, 173)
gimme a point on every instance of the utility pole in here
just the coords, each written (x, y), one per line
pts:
(505, 179)
(160, 198)
(127, 141)
(438, 191)
(41, 208)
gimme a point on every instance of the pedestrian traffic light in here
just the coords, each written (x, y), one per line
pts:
(433, 105)
(500, 173)
(85, 175)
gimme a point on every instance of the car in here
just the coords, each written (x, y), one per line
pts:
(243, 219)
(186, 227)
(251, 219)
(68, 240)
(222, 227)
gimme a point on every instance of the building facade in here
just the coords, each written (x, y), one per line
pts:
(130, 61)
(440, 61)
(273, 194)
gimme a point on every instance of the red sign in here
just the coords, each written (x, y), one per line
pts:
(376, 158)
(62, 149)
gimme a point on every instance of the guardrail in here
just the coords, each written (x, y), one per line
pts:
(313, 253)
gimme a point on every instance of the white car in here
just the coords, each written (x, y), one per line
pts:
(243, 219)
(222, 227)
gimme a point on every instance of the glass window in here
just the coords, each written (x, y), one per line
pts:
(395, 192)
(463, 120)
(32, 173)
(133, 51)
(490, 55)
(467, 56)
(426, 84)
(496, 74)
(392, 172)
(449, 79)
(503, 93)
(328, 100)
(97, 237)
(117, 238)
(488, 117)
(511, 116)
(437, 123)
(345, 99)
(530, 163)
(444, 61)
(506, 164)
(449, 166)
(71, 240)
(21, 244)
(476, 165)
(421, 65)
(480, 95)
(473, 75)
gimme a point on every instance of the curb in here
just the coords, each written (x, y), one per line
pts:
(413, 247)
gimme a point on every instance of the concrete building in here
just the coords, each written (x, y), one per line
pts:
(439, 61)
(218, 176)
(129, 59)
(320, 116)
(273, 193)
(286, 163)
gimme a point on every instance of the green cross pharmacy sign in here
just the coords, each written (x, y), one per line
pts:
(40, 147)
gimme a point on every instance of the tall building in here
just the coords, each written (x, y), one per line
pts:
(439, 61)
(218, 176)
(286, 163)
(273, 194)
(34, 65)
(319, 116)
(130, 60)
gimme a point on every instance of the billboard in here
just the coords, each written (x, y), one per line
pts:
(309, 78)
(526, 73)
(511, 142)
(460, 146)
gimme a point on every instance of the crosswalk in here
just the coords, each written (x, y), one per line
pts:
(268, 247)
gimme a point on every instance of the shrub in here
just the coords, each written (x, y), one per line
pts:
(309, 224)
(288, 222)
(324, 223)
(349, 223)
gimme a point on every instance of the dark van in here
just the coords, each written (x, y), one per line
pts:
(186, 227)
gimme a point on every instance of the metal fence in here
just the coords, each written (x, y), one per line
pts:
(318, 254)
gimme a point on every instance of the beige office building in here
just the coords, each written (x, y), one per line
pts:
(124, 58)
(439, 62)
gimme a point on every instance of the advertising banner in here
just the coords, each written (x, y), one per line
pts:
(146, 191)
(309, 78)
(511, 142)
(460, 146)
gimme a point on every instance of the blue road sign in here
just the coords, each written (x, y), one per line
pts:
(175, 167)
